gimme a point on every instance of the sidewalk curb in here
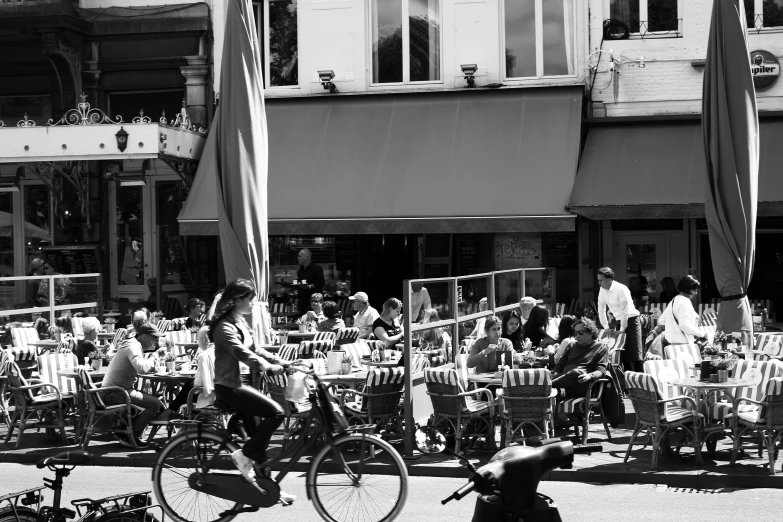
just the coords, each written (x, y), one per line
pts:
(701, 480)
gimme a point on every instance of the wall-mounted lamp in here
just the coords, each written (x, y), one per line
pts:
(122, 139)
(326, 80)
(469, 71)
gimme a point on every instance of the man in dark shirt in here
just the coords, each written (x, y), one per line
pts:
(313, 274)
(583, 361)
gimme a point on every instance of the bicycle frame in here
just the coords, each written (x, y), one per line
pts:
(31, 496)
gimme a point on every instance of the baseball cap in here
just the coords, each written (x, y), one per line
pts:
(149, 329)
(360, 296)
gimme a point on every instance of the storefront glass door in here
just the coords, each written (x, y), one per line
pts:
(639, 258)
(130, 261)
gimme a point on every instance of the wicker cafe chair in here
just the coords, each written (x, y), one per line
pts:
(29, 402)
(21, 336)
(97, 409)
(584, 407)
(356, 351)
(747, 398)
(658, 415)
(307, 349)
(527, 400)
(4, 407)
(766, 420)
(454, 406)
(379, 401)
(289, 352)
(297, 411)
(50, 364)
(324, 336)
(346, 336)
(767, 346)
(687, 352)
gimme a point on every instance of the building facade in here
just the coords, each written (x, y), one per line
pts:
(640, 184)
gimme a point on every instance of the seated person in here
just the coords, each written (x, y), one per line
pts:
(437, 338)
(478, 330)
(583, 360)
(125, 367)
(332, 321)
(565, 335)
(196, 315)
(482, 354)
(315, 315)
(64, 324)
(512, 330)
(535, 328)
(387, 326)
(84, 347)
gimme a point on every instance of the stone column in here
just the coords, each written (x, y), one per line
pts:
(195, 73)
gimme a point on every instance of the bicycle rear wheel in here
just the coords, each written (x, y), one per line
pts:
(344, 482)
(185, 455)
(23, 514)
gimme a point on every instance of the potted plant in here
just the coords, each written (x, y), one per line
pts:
(345, 364)
(709, 351)
(110, 322)
(302, 325)
(723, 367)
(720, 339)
(170, 359)
(97, 358)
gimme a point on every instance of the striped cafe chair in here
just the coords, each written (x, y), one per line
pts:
(663, 372)
(379, 401)
(346, 336)
(324, 336)
(689, 353)
(164, 325)
(32, 399)
(766, 420)
(179, 350)
(97, 410)
(420, 362)
(48, 367)
(708, 317)
(307, 349)
(455, 407)
(583, 408)
(297, 411)
(65, 346)
(21, 336)
(615, 345)
(119, 335)
(760, 372)
(528, 400)
(463, 372)
(767, 345)
(289, 352)
(76, 326)
(5, 358)
(659, 415)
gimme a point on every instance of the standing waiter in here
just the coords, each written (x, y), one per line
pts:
(313, 274)
(617, 297)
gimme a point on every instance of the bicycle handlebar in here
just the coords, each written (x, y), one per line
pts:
(460, 493)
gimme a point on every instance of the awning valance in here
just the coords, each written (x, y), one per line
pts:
(657, 170)
(417, 162)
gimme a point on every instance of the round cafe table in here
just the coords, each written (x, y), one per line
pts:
(298, 336)
(164, 385)
(106, 336)
(486, 379)
(381, 364)
(44, 346)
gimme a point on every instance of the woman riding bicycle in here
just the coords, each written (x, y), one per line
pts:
(234, 343)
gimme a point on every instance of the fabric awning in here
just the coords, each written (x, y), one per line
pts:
(657, 170)
(417, 162)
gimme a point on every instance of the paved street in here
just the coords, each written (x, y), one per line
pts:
(576, 501)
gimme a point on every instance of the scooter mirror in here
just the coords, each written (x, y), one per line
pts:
(430, 440)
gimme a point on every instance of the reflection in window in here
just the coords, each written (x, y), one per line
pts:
(522, 41)
(662, 15)
(390, 42)
(37, 227)
(6, 249)
(282, 43)
(770, 14)
(130, 231)
(626, 11)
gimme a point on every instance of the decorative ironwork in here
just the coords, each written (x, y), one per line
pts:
(645, 32)
(757, 23)
(84, 115)
(182, 121)
(141, 118)
(26, 122)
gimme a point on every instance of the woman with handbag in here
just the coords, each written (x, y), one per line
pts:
(680, 320)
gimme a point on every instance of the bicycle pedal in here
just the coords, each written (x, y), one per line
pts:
(248, 509)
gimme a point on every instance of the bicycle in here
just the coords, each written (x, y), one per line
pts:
(15, 507)
(189, 487)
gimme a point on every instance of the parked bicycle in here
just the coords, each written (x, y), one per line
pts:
(194, 479)
(25, 506)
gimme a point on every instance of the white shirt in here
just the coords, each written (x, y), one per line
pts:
(619, 301)
(479, 332)
(363, 321)
(205, 377)
(422, 297)
(687, 319)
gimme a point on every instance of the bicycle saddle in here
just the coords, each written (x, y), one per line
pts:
(73, 458)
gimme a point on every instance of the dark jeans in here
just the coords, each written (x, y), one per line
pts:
(151, 405)
(182, 397)
(633, 342)
(569, 382)
(262, 416)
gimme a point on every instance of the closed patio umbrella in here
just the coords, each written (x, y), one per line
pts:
(731, 144)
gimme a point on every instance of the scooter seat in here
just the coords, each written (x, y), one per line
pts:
(72, 458)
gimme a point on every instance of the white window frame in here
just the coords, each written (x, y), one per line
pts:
(406, 58)
(644, 19)
(263, 38)
(539, 5)
(758, 10)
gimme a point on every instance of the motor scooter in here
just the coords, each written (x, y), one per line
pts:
(507, 484)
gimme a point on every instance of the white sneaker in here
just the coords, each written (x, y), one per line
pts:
(286, 499)
(244, 465)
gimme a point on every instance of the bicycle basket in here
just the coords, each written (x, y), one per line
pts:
(333, 415)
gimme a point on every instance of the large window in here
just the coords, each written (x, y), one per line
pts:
(276, 22)
(539, 38)
(405, 41)
(764, 13)
(648, 16)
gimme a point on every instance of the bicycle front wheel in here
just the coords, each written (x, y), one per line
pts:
(344, 480)
(185, 455)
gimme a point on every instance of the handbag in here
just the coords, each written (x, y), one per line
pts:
(333, 415)
(296, 389)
